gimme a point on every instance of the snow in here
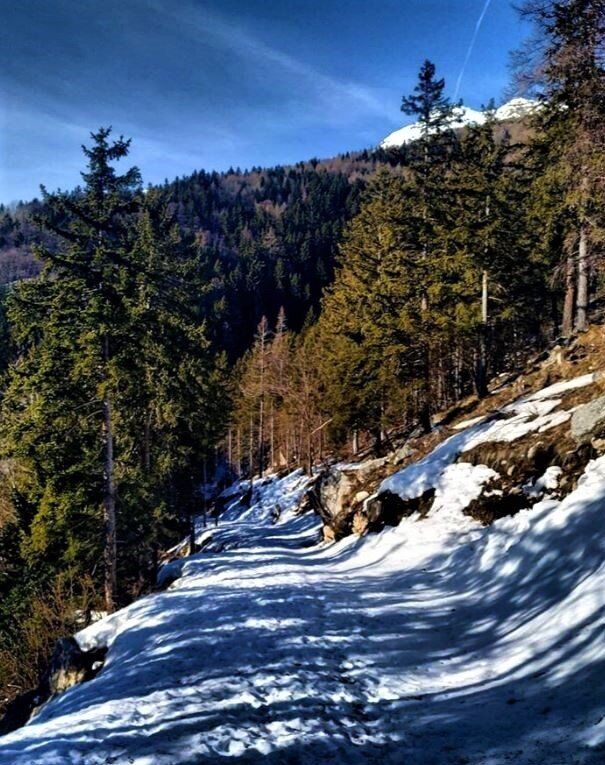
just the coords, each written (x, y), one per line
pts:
(465, 116)
(536, 412)
(438, 642)
(514, 109)
(547, 482)
(564, 387)
(467, 423)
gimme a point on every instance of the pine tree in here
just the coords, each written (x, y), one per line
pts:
(570, 139)
(490, 225)
(370, 317)
(429, 163)
(114, 400)
(433, 110)
(93, 262)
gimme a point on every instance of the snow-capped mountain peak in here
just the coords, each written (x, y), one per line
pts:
(514, 109)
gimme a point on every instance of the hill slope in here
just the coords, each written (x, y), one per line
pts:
(436, 641)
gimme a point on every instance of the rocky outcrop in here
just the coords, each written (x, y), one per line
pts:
(387, 509)
(68, 666)
(588, 421)
(498, 503)
(340, 491)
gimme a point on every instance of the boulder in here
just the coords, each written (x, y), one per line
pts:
(400, 455)
(339, 490)
(384, 509)
(328, 534)
(588, 421)
(342, 485)
(68, 665)
(388, 508)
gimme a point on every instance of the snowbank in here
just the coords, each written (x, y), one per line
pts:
(536, 412)
(438, 642)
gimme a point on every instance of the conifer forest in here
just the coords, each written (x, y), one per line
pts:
(168, 349)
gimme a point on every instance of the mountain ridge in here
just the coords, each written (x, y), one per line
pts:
(515, 109)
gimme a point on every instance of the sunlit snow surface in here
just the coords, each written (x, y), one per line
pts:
(464, 115)
(435, 642)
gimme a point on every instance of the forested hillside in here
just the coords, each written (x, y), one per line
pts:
(263, 238)
(158, 343)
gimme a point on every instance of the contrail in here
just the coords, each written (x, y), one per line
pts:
(470, 47)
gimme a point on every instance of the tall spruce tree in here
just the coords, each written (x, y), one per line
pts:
(569, 76)
(490, 224)
(434, 113)
(113, 401)
(92, 264)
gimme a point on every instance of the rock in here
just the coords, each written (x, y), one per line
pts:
(588, 421)
(388, 508)
(339, 492)
(599, 445)
(328, 534)
(534, 450)
(360, 524)
(68, 666)
(401, 454)
(494, 504)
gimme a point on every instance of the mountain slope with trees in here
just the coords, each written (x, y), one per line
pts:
(171, 340)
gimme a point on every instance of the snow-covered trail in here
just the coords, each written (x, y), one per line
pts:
(435, 642)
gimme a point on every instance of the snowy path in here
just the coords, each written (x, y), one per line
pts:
(438, 642)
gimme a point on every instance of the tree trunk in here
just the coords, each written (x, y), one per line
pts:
(309, 466)
(481, 371)
(251, 450)
(191, 530)
(570, 294)
(582, 296)
(204, 504)
(261, 435)
(568, 305)
(147, 444)
(425, 391)
(109, 498)
(239, 452)
(272, 438)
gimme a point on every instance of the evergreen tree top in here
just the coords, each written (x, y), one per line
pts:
(428, 103)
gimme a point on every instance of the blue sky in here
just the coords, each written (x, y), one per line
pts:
(214, 83)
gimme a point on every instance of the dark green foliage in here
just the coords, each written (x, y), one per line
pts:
(112, 323)
(4, 335)
(566, 69)
(266, 240)
(428, 103)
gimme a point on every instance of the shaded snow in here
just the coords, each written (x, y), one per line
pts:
(438, 642)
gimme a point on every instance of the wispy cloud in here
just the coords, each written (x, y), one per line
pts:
(332, 94)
